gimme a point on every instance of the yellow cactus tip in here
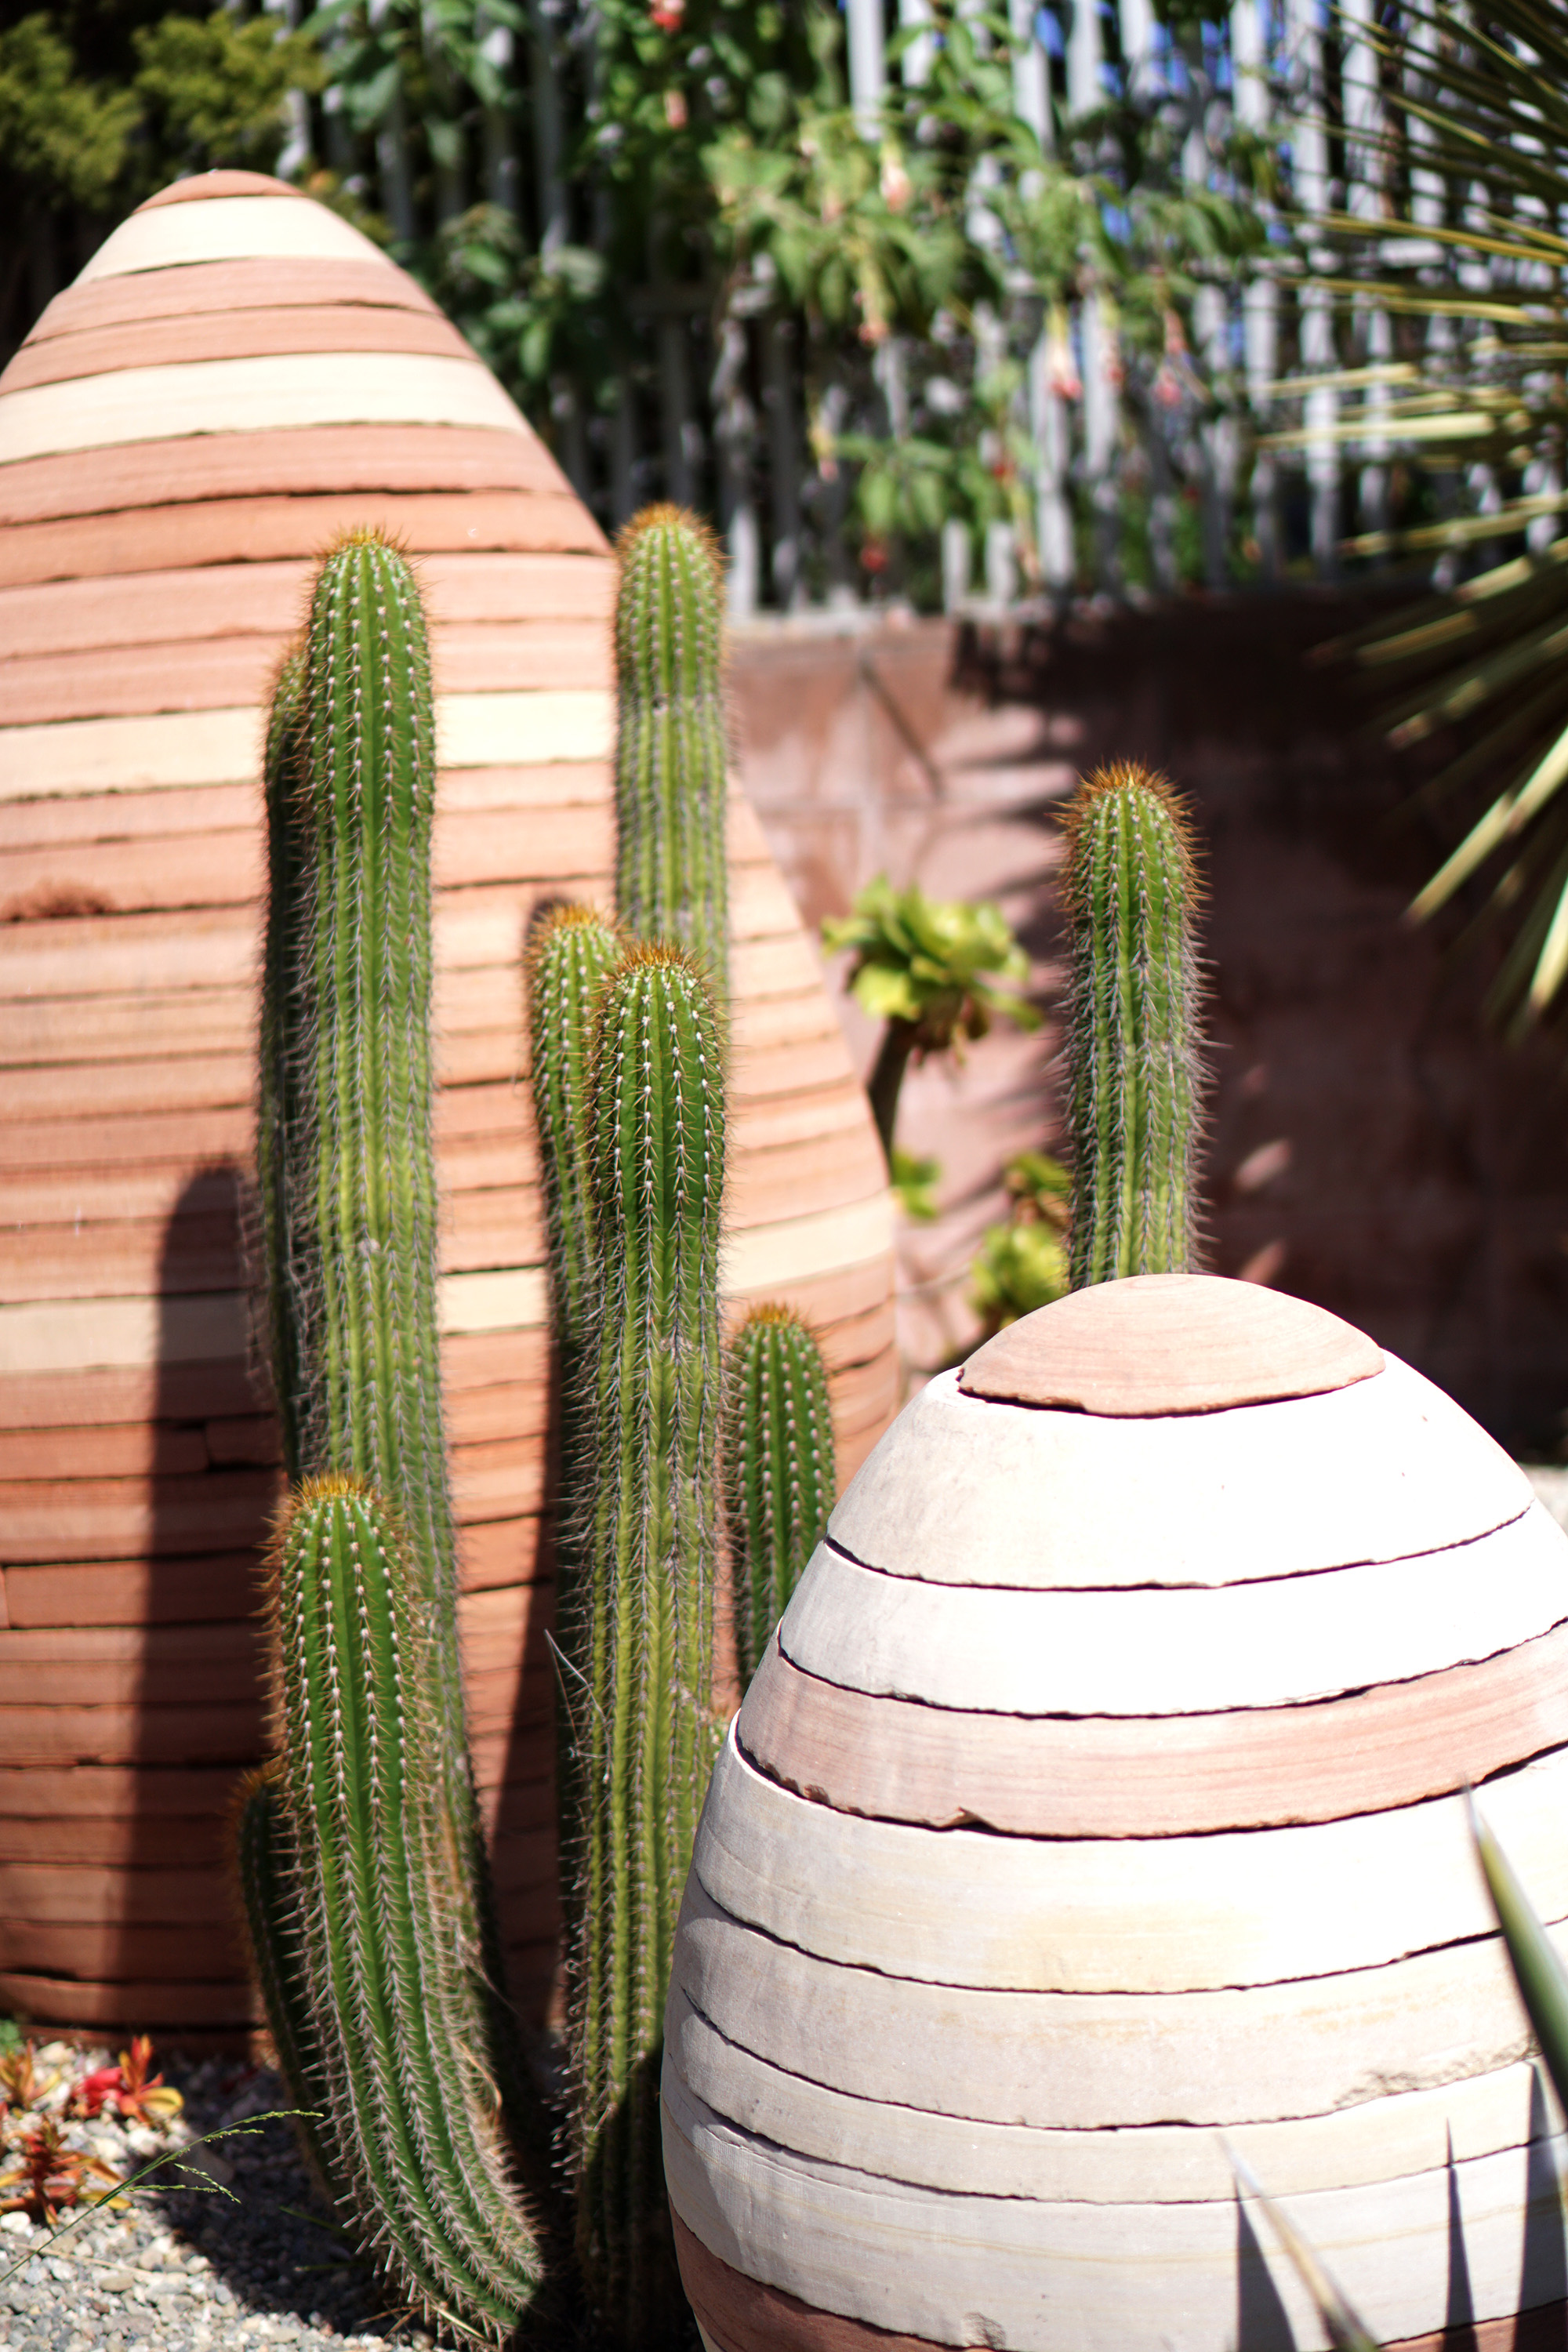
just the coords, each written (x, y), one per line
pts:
(1119, 776)
(666, 517)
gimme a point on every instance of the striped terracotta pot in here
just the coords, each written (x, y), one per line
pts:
(237, 374)
(1096, 1806)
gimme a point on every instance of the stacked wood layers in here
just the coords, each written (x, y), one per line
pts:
(236, 375)
(1096, 1800)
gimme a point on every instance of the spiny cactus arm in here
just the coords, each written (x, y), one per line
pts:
(1134, 1057)
(650, 1549)
(671, 749)
(778, 1468)
(283, 770)
(570, 950)
(409, 2130)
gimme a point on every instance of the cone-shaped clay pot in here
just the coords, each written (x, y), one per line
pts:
(236, 375)
(1097, 1799)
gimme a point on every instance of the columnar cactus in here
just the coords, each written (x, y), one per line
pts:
(265, 1872)
(778, 1469)
(408, 2126)
(638, 1632)
(671, 784)
(1133, 1061)
(347, 1158)
(570, 950)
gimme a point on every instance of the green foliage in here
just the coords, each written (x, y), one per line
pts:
(1537, 1972)
(1463, 254)
(1134, 1068)
(1023, 1265)
(62, 137)
(931, 970)
(671, 755)
(215, 90)
(779, 1469)
(377, 2004)
(637, 1639)
(914, 1183)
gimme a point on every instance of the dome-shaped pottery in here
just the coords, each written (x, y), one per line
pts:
(1095, 1807)
(237, 374)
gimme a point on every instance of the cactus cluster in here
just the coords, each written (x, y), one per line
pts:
(358, 1848)
(1134, 1072)
(347, 1173)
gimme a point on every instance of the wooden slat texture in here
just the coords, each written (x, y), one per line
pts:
(1108, 1776)
(1152, 1650)
(1088, 2061)
(1378, 2139)
(1065, 2277)
(1379, 1471)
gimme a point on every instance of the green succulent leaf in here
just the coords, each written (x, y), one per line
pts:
(1537, 1972)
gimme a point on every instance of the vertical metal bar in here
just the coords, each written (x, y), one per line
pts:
(678, 431)
(783, 461)
(392, 149)
(544, 89)
(916, 16)
(499, 49)
(1101, 405)
(1364, 116)
(1310, 158)
(868, 64)
(733, 425)
(1261, 301)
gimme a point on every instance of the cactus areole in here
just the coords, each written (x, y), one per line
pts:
(1098, 1808)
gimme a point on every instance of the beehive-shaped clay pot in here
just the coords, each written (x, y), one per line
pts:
(237, 374)
(1097, 1799)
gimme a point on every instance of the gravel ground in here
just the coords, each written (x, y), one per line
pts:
(187, 2269)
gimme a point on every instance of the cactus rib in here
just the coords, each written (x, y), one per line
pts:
(778, 1469)
(1134, 1068)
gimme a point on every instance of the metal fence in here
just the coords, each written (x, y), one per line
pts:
(1134, 472)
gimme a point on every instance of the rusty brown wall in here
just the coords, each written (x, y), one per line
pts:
(1373, 1146)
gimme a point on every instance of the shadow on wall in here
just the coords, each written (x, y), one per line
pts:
(190, 1607)
(1373, 1147)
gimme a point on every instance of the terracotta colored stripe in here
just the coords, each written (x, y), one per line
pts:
(740, 2315)
(238, 529)
(208, 673)
(481, 593)
(159, 342)
(201, 187)
(385, 459)
(1104, 1777)
(255, 284)
(1544, 2329)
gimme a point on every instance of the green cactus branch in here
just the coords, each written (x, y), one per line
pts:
(1134, 1057)
(671, 745)
(376, 1987)
(778, 1472)
(640, 1637)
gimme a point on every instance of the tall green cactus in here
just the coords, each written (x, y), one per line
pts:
(1133, 1062)
(347, 1158)
(262, 1854)
(778, 1468)
(640, 1633)
(570, 950)
(671, 783)
(408, 2126)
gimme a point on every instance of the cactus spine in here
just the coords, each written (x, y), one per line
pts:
(408, 2123)
(640, 1634)
(1133, 1063)
(671, 785)
(778, 1468)
(283, 776)
(264, 1871)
